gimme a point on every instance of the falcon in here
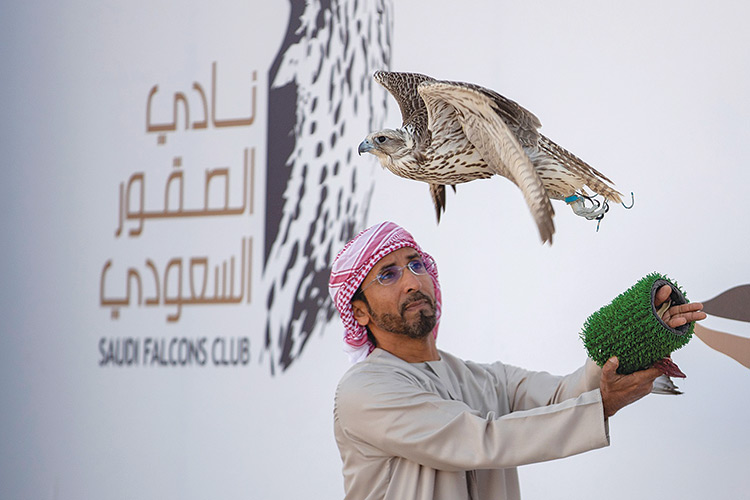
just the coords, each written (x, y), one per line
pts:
(455, 132)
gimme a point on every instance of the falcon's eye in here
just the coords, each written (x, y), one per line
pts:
(381, 139)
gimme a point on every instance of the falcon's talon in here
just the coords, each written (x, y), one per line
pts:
(591, 213)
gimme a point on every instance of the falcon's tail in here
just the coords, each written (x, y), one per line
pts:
(595, 180)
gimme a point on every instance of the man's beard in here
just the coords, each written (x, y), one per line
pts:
(418, 328)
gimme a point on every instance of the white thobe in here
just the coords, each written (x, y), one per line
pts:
(454, 429)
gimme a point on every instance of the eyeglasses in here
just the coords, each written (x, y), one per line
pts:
(391, 274)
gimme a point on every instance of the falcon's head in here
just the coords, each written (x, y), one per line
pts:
(390, 146)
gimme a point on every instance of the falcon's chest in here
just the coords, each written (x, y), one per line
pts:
(448, 159)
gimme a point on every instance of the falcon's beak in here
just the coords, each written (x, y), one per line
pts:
(365, 146)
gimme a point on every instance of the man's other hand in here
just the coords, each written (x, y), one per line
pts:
(679, 315)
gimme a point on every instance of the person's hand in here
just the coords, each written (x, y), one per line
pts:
(619, 391)
(678, 315)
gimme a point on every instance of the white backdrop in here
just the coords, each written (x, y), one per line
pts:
(653, 95)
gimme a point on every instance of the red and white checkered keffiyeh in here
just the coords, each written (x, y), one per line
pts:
(354, 262)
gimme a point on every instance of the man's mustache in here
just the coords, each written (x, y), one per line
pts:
(414, 297)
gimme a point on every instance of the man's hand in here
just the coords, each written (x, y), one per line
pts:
(619, 391)
(678, 315)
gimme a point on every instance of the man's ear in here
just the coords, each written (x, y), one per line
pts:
(361, 314)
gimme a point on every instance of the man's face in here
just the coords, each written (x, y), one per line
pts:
(406, 307)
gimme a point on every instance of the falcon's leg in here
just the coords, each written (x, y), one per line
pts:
(596, 211)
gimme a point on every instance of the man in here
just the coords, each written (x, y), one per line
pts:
(414, 422)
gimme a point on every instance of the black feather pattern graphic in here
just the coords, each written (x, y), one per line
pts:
(321, 96)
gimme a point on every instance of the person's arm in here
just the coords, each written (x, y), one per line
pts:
(527, 389)
(392, 414)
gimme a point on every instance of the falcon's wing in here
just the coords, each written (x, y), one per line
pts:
(522, 122)
(403, 88)
(481, 119)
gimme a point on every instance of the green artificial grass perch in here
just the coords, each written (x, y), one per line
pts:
(631, 328)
